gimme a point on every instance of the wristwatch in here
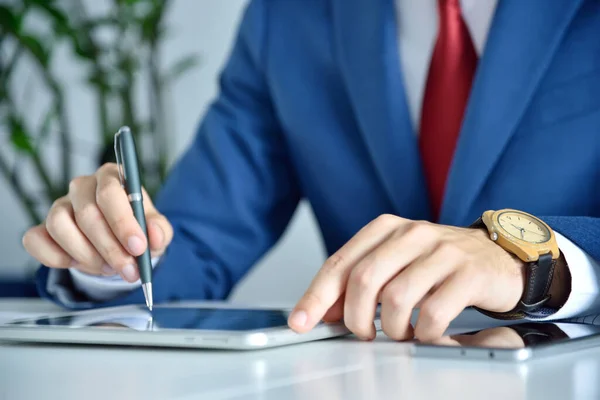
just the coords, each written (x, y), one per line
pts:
(532, 241)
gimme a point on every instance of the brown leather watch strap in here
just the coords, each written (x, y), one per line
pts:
(538, 277)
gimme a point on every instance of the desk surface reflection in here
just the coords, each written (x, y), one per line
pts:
(335, 369)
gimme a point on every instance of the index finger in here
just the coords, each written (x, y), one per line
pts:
(114, 204)
(327, 286)
(331, 280)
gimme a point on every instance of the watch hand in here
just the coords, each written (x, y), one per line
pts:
(525, 230)
(518, 227)
(535, 233)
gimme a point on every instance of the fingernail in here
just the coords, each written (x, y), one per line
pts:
(108, 270)
(298, 318)
(135, 245)
(74, 263)
(129, 273)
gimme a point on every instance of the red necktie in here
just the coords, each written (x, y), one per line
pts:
(448, 86)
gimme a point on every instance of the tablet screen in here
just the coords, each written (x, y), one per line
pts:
(167, 318)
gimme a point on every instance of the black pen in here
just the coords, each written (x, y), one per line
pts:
(129, 174)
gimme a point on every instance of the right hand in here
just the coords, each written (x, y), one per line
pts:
(93, 229)
(498, 337)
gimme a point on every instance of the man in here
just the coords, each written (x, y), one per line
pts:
(401, 124)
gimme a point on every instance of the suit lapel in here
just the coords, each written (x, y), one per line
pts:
(521, 42)
(366, 44)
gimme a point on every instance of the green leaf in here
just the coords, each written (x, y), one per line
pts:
(98, 79)
(19, 137)
(61, 23)
(182, 66)
(99, 22)
(9, 20)
(83, 48)
(7, 69)
(128, 65)
(129, 2)
(36, 48)
(56, 13)
(152, 22)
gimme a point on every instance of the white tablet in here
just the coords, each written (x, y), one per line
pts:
(516, 342)
(193, 326)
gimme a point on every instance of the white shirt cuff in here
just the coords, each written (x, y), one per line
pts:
(574, 331)
(585, 272)
(103, 288)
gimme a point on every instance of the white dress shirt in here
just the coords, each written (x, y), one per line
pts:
(417, 32)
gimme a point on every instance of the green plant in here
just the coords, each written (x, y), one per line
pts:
(115, 68)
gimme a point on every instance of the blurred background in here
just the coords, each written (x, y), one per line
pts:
(73, 71)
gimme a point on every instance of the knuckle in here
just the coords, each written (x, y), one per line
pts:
(108, 168)
(451, 251)
(420, 229)
(386, 220)
(334, 262)
(57, 204)
(434, 313)
(396, 296)
(88, 214)
(362, 276)
(105, 193)
(107, 172)
(76, 184)
(56, 218)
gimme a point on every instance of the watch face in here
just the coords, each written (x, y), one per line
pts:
(524, 227)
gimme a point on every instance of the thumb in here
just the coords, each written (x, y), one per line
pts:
(160, 233)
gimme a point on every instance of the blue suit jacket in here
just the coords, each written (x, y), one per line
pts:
(312, 106)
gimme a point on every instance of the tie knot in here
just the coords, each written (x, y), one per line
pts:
(449, 4)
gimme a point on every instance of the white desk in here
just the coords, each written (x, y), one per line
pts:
(334, 370)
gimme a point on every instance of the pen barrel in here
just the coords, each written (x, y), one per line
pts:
(133, 180)
(144, 261)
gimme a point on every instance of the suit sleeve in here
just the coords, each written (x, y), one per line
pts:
(579, 241)
(229, 197)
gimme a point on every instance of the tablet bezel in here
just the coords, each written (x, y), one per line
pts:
(181, 338)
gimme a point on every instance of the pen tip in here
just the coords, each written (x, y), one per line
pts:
(147, 287)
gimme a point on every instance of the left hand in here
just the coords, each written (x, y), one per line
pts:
(406, 264)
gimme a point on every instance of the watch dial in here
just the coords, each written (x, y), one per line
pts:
(524, 227)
